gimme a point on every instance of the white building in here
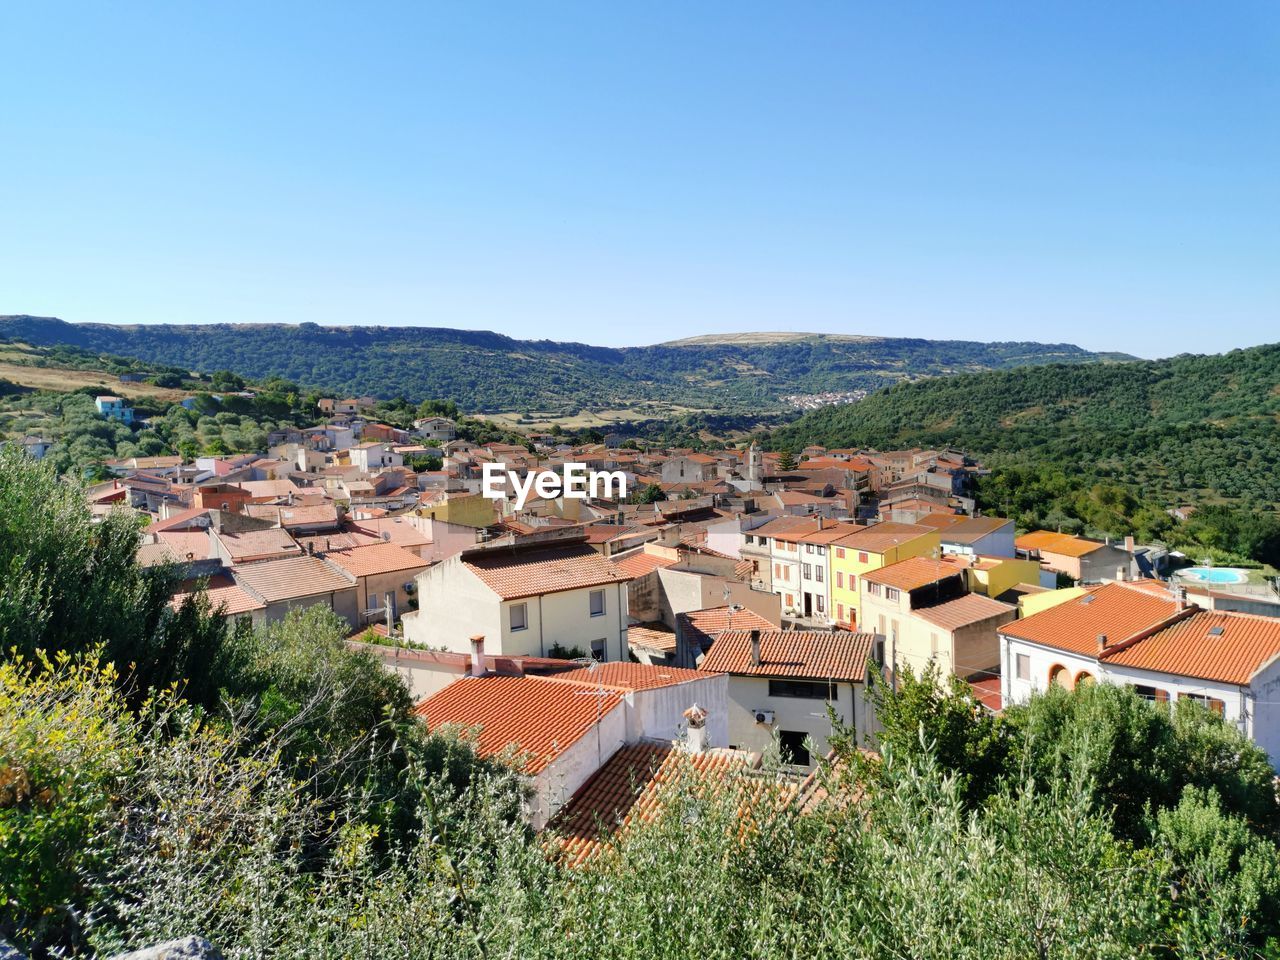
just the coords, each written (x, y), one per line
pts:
(782, 681)
(526, 599)
(1141, 635)
(566, 726)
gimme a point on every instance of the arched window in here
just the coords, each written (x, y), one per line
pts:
(1059, 677)
(1084, 678)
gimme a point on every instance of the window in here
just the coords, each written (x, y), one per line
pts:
(1152, 693)
(891, 593)
(853, 582)
(808, 548)
(820, 551)
(791, 743)
(777, 570)
(839, 579)
(519, 616)
(873, 589)
(806, 571)
(819, 601)
(817, 573)
(791, 601)
(1022, 666)
(799, 689)
(755, 566)
(599, 650)
(840, 552)
(750, 538)
(1212, 704)
(840, 612)
(863, 558)
(597, 603)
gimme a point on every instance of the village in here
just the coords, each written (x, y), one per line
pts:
(729, 606)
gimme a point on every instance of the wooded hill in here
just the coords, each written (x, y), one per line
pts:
(488, 372)
(1191, 429)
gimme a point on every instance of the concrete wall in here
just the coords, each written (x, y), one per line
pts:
(453, 604)
(558, 781)
(657, 713)
(341, 602)
(748, 694)
(681, 591)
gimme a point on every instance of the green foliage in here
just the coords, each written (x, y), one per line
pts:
(927, 715)
(786, 461)
(650, 493)
(489, 372)
(69, 583)
(65, 750)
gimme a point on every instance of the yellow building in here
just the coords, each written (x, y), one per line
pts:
(992, 576)
(866, 550)
(465, 509)
(1034, 603)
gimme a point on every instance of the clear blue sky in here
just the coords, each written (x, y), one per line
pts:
(1104, 173)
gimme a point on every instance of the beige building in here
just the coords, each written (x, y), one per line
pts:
(923, 609)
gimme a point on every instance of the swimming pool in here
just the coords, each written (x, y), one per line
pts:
(1213, 575)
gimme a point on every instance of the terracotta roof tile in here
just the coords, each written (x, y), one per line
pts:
(376, 558)
(531, 573)
(884, 536)
(1063, 544)
(652, 636)
(630, 789)
(808, 654)
(1118, 610)
(291, 578)
(639, 564)
(705, 625)
(633, 676)
(915, 572)
(539, 715)
(223, 592)
(962, 611)
(1209, 645)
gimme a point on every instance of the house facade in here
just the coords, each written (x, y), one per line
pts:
(527, 600)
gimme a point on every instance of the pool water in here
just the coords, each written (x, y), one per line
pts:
(1213, 575)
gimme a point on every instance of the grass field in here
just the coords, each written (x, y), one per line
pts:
(66, 379)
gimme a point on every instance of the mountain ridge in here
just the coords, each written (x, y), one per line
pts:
(491, 372)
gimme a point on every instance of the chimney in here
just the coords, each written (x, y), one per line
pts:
(1128, 544)
(755, 648)
(477, 655)
(696, 737)
(1102, 642)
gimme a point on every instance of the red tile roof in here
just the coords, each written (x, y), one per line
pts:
(1062, 544)
(291, 578)
(916, 572)
(639, 564)
(1120, 611)
(964, 610)
(652, 636)
(1242, 644)
(630, 789)
(531, 573)
(375, 559)
(539, 715)
(807, 654)
(633, 676)
(884, 536)
(223, 594)
(706, 625)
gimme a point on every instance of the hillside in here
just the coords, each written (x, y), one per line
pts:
(1185, 430)
(492, 373)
